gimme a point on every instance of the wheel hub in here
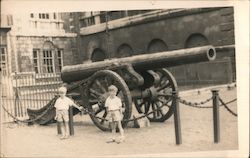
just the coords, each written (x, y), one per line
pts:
(153, 93)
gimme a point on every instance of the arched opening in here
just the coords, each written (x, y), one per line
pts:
(48, 45)
(196, 40)
(124, 51)
(98, 55)
(157, 45)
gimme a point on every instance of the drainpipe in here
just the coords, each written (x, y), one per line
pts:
(107, 34)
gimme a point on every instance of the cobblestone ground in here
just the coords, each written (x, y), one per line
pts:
(159, 138)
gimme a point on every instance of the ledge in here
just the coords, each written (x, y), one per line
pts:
(141, 18)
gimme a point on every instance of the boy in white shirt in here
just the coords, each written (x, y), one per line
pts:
(62, 105)
(113, 105)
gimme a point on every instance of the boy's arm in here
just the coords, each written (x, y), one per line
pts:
(55, 105)
(56, 114)
(106, 105)
(120, 105)
(76, 106)
(72, 103)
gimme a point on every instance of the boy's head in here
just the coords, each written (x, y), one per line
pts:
(62, 91)
(112, 90)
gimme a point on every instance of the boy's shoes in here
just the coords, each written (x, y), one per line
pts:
(110, 140)
(120, 140)
(64, 137)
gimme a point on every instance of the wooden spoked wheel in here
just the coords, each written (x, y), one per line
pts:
(97, 93)
(160, 106)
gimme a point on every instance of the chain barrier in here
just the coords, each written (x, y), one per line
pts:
(195, 104)
(125, 120)
(228, 109)
(85, 109)
(52, 102)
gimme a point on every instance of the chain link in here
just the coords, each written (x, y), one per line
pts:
(228, 109)
(145, 115)
(196, 104)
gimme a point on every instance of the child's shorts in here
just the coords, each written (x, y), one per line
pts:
(62, 115)
(114, 115)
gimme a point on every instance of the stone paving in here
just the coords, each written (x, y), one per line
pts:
(157, 140)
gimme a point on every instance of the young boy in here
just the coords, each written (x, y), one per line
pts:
(62, 105)
(113, 105)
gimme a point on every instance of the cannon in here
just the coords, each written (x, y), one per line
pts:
(143, 81)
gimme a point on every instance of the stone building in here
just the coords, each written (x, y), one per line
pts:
(35, 49)
(5, 27)
(40, 43)
(116, 34)
(5, 57)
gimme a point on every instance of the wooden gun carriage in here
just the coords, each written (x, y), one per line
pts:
(143, 81)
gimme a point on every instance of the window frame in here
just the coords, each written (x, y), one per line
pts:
(43, 15)
(4, 69)
(46, 58)
(60, 59)
(38, 60)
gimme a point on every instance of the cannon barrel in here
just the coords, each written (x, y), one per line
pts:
(141, 62)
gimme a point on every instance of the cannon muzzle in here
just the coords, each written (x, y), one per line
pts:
(141, 62)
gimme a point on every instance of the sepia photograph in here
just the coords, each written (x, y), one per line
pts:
(124, 79)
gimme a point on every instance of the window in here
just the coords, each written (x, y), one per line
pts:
(32, 15)
(48, 58)
(54, 15)
(60, 59)
(43, 16)
(48, 62)
(57, 25)
(103, 16)
(90, 21)
(3, 61)
(3, 38)
(36, 60)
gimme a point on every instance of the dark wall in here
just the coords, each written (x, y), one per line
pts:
(213, 26)
(216, 26)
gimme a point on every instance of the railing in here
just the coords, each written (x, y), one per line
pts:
(27, 90)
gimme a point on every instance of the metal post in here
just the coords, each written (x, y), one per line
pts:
(216, 116)
(59, 131)
(177, 121)
(16, 95)
(71, 128)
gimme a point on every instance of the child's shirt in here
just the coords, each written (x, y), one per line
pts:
(113, 103)
(63, 103)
